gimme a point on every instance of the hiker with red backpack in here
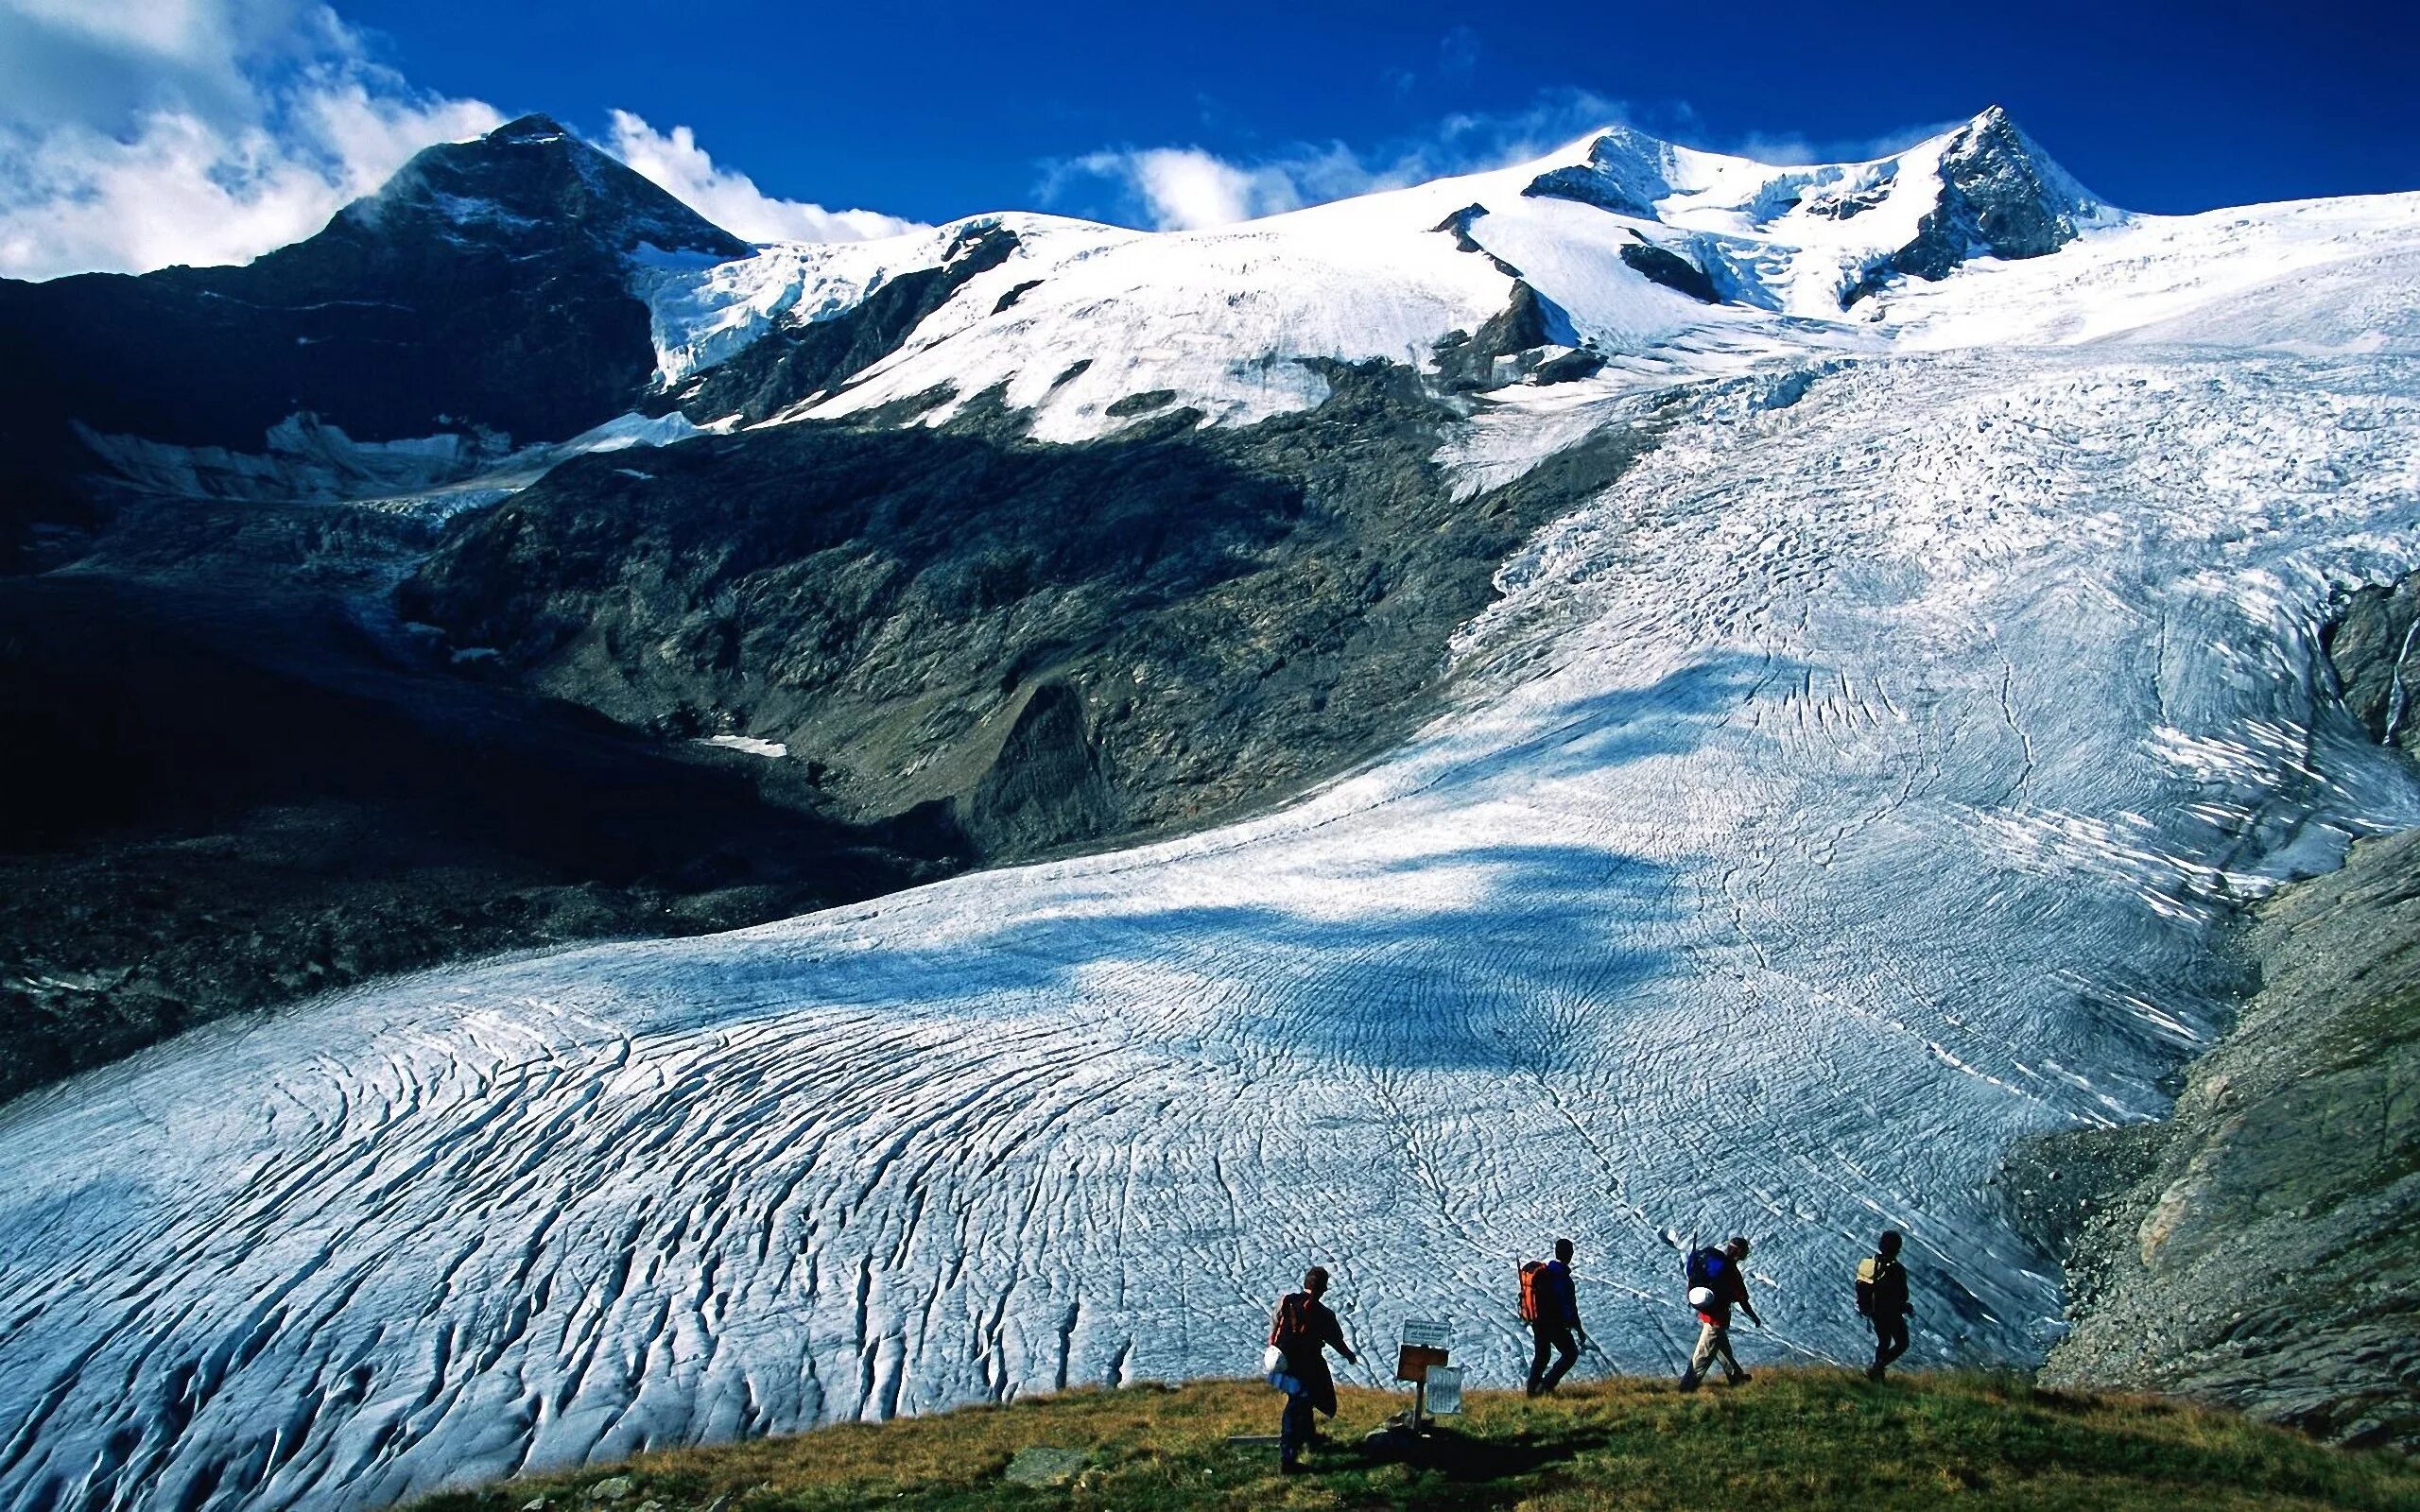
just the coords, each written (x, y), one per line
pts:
(1302, 1329)
(1717, 1284)
(1551, 1308)
(1882, 1298)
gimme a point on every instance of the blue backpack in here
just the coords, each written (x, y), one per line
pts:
(1705, 1267)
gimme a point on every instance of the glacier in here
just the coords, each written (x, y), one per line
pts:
(1859, 785)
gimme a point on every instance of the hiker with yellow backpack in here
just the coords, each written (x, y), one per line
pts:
(1551, 1308)
(1882, 1298)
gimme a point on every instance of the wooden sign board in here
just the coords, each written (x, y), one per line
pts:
(1413, 1361)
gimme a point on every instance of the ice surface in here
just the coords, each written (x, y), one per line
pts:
(1848, 791)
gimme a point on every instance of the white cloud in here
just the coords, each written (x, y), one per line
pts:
(192, 131)
(1184, 188)
(730, 198)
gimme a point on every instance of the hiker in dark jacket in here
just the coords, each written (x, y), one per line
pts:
(1557, 1323)
(1301, 1331)
(1882, 1296)
(1727, 1289)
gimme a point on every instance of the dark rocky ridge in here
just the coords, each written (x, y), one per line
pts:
(1670, 268)
(2374, 650)
(484, 288)
(1513, 344)
(1059, 645)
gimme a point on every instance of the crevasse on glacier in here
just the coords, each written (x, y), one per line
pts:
(1850, 790)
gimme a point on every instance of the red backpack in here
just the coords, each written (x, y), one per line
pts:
(1533, 1275)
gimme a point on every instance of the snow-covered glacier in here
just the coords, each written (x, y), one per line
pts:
(1855, 787)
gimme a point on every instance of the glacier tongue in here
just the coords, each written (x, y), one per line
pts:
(1849, 791)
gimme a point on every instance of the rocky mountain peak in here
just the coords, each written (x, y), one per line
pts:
(1625, 171)
(536, 126)
(531, 181)
(1999, 169)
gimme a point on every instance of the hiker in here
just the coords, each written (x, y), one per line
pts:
(1717, 1284)
(1552, 1309)
(1882, 1296)
(1301, 1331)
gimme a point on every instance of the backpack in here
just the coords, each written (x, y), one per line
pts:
(1705, 1268)
(1867, 1269)
(1290, 1327)
(1533, 1275)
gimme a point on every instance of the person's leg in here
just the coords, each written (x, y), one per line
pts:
(1731, 1370)
(1294, 1428)
(1567, 1351)
(1890, 1342)
(1545, 1338)
(1708, 1335)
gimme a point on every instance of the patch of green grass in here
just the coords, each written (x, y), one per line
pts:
(1805, 1439)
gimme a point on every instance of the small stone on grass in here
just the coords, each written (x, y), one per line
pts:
(1035, 1464)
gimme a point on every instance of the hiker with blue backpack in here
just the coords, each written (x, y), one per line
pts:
(1302, 1329)
(1717, 1284)
(1551, 1308)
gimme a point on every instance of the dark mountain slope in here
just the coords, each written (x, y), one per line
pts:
(1064, 644)
(223, 799)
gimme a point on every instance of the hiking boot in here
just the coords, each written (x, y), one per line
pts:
(1688, 1380)
(1739, 1380)
(1291, 1466)
(1874, 1372)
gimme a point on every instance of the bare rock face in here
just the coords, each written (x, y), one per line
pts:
(1045, 789)
(2370, 648)
(2261, 1248)
(2000, 198)
(1045, 646)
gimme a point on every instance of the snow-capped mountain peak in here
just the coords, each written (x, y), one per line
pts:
(1619, 256)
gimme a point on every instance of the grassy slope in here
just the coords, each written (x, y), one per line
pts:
(1800, 1438)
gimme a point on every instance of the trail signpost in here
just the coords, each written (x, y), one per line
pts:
(1421, 1359)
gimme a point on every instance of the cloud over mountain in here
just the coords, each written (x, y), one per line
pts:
(731, 198)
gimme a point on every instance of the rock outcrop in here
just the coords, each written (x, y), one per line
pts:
(2261, 1248)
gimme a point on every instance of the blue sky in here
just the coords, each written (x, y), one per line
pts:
(937, 109)
(140, 132)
